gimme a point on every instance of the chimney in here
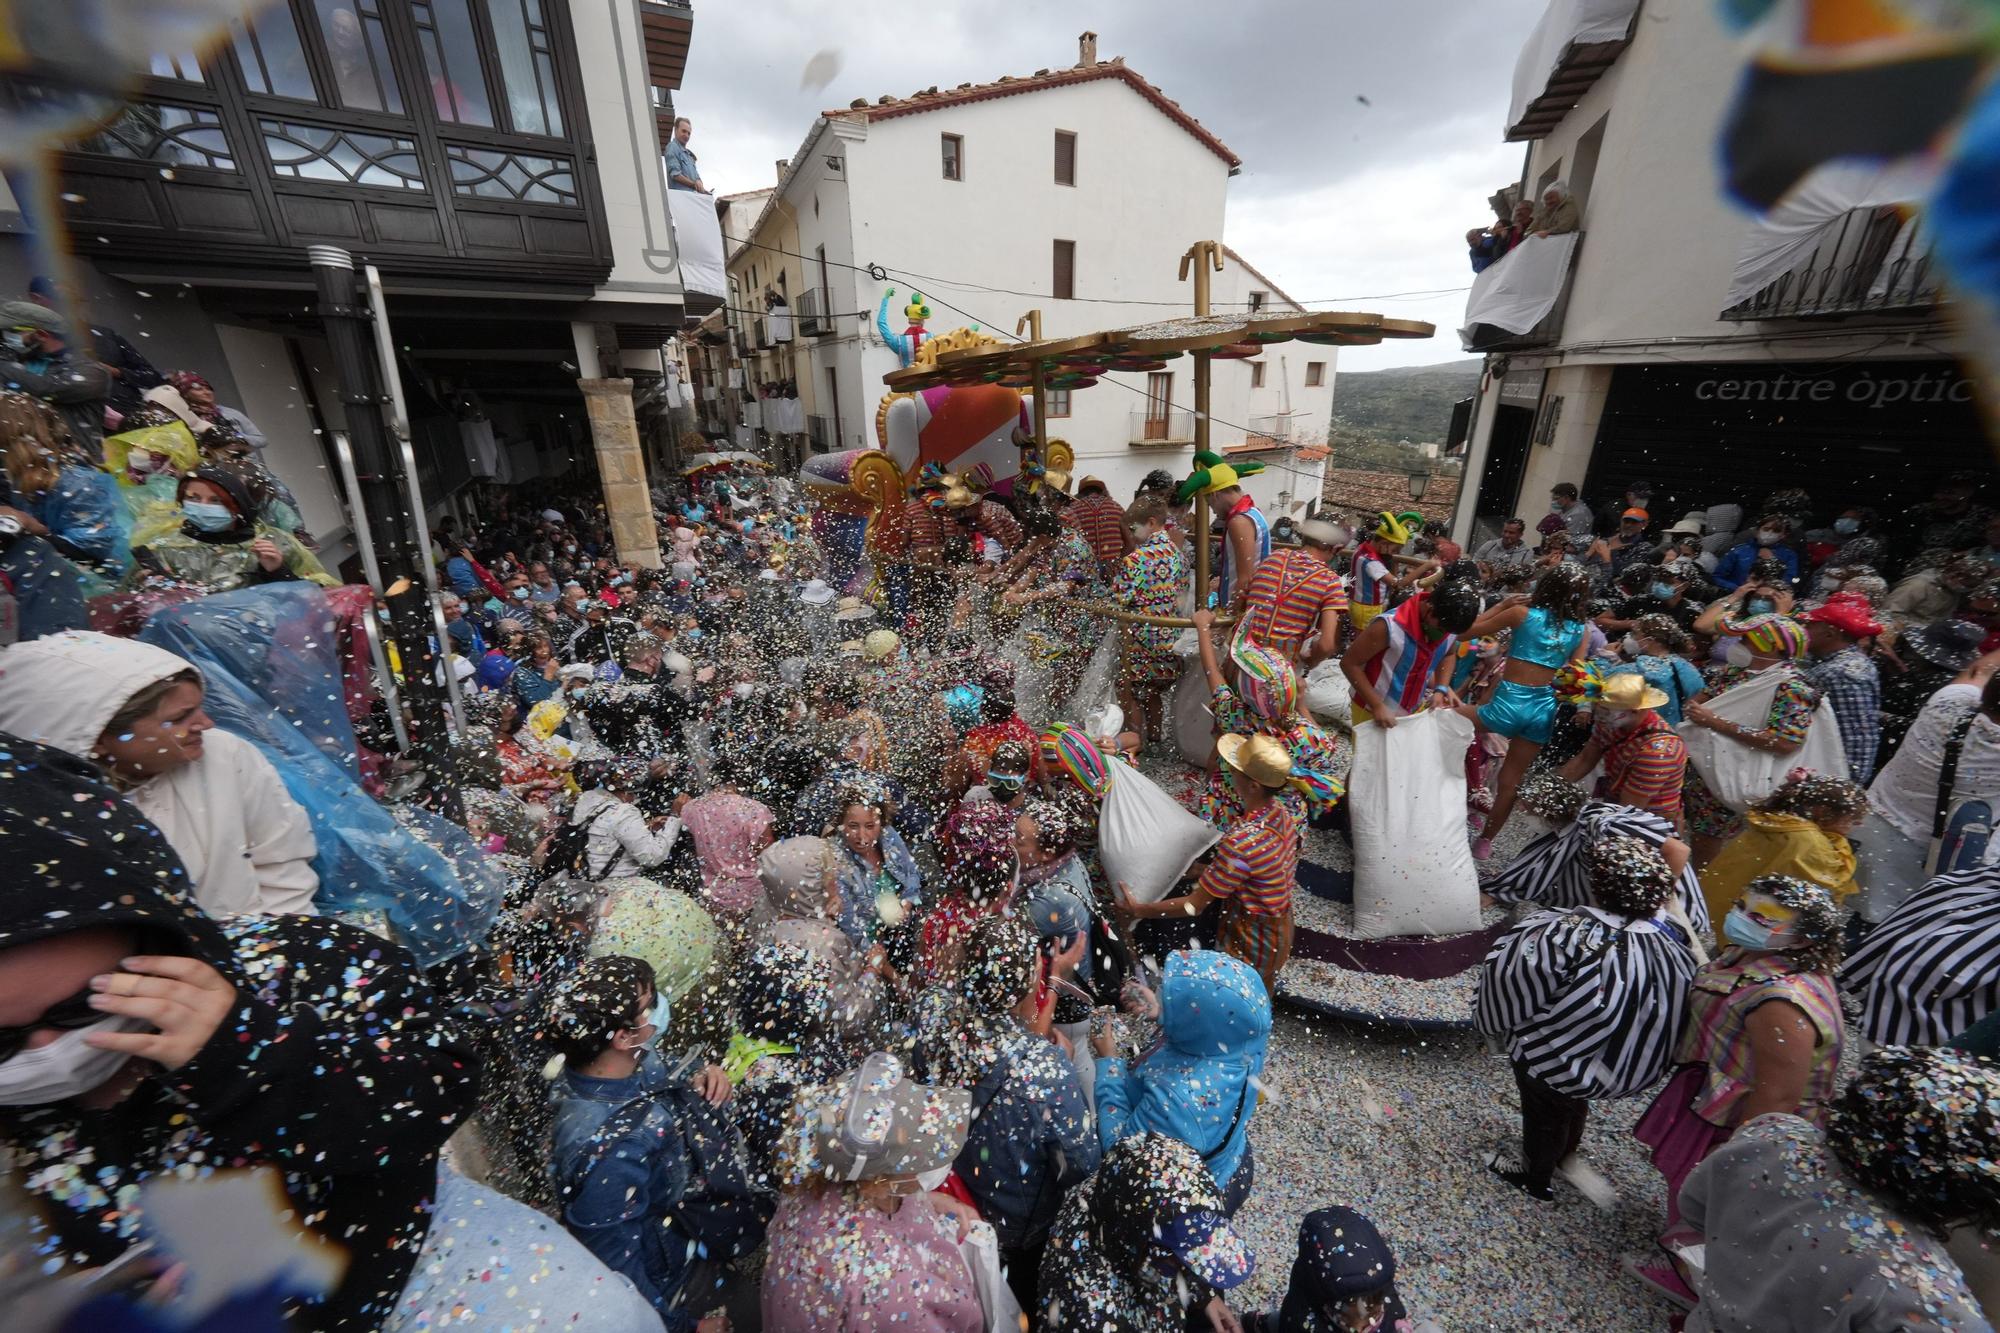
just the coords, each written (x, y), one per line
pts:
(783, 163)
(1086, 50)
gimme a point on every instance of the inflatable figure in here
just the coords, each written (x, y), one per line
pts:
(910, 341)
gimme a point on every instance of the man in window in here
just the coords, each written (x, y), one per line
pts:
(682, 174)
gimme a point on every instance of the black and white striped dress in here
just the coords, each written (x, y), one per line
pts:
(1551, 872)
(1932, 969)
(1592, 1005)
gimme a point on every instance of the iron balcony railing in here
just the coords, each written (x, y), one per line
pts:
(815, 319)
(1868, 261)
(823, 432)
(1277, 427)
(1159, 429)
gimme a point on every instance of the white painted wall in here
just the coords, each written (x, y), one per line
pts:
(631, 172)
(269, 392)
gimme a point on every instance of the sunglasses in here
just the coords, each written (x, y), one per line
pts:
(64, 1015)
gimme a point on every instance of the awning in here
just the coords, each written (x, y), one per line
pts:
(1572, 46)
(1518, 292)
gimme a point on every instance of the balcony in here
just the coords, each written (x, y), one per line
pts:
(763, 335)
(1276, 429)
(1519, 302)
(1867, 261)
(823, 433)
(1162, 430)
(815, 313)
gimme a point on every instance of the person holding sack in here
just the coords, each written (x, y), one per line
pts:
(1758, 719)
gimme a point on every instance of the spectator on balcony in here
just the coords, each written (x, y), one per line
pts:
(1507, 551)
(1558, 215)
(682, 173)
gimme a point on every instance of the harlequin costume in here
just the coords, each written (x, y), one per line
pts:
(1368, 588)
(1265, 701)
(1405, 667)
(1150, 581)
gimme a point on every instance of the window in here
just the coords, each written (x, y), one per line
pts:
(451, 60)
(1065, 158)
(527, 65)
(161, 132)
(182, 65)
(357, 46)
(350, 157)
(494, 173)
(1257, 300)
(1065, 271)
(1058, 403)
(952, 150)
(273, 59)
(1256, 371)
(1315, 374)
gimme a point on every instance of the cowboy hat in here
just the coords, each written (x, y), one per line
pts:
(1951, 644)
(1628, 691)
(816, 593)
(852, 608)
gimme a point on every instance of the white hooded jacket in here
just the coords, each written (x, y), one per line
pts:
(247, 845)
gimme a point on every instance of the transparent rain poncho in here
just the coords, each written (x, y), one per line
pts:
(271, 658)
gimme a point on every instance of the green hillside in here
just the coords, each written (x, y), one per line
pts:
(1407, 403)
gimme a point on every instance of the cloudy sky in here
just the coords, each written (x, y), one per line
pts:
(1339, 199)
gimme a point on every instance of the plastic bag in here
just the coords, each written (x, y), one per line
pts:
(1145, 838)
(1330, 695)
(1738, 775)
(981, 1249)
(267, 657)
(1413, 871)
(1193, 714)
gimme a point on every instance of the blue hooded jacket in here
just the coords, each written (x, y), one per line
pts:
(1197, 1086)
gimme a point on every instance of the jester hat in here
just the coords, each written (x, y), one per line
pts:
(1212, 474)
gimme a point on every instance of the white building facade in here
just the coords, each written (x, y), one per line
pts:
(1683, 340)
(1081, 188)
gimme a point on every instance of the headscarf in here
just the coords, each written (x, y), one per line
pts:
(1269, 687)
(1066, 748)
(795, 872)
(1142, 1185)
(978, 849)
(1920, 1127)
(1770, 636)
(185, 380)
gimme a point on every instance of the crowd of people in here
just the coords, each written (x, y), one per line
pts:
(811, 987)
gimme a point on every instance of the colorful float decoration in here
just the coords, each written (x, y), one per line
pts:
(911, 340)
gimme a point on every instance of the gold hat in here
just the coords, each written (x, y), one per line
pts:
(1263, 759)
(1628, 691)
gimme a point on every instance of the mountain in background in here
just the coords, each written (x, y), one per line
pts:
(1404, 403)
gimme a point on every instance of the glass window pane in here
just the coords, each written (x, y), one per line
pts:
(321, 153)
(358, 48)
(176, 65)
(161, 132)
(451, 61)
(526, 70)
(273, 60)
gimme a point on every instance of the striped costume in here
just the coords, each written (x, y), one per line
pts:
(1406, 665)
(1251, 873)
(1287, 596)
(1932, 969)
(1588, 1003)
(1247, 507)
(1368, 585)
(1550, 871)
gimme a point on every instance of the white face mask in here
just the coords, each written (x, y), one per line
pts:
(1738, 654)
(1769, 537)
(66, 1067)
(1631, 645)
(930, 1180)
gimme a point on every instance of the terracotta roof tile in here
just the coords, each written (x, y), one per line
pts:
(1007, 85)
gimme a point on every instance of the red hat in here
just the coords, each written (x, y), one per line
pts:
(1847, 612)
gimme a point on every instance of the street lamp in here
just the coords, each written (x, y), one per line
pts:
(1419, 483)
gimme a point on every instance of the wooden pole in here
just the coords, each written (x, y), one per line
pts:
(1202, 258)
(1032, 323)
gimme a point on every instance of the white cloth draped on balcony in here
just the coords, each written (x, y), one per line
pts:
(698, 241)
(1564, 23)
(1518, 292)
(1782, 239)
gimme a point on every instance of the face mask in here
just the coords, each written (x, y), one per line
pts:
(66, 1067)
(1759, 606)
(1766, 537)
(1739, 927)
(658, 1016)
(1738, 654)
(520, 594)
(570, 549)
(209, 517)
(16, 340)
(1847, 527)
(694, 635)
(745, 690)
(1663, 591)
(142, 464)
(1631, 645)
(930, 1180)
(1555, 506)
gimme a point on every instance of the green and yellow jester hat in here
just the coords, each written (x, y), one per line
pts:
(1392, 529)
(1212, 474)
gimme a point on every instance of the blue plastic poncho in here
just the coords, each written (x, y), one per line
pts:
(270, 659)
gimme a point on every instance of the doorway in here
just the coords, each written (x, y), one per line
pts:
(1499, 491)
(1159, 404)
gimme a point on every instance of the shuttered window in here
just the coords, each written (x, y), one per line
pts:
(1065, 272)
(1065, 158)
